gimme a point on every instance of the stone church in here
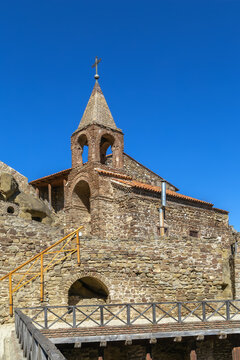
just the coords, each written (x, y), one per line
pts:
(142, 242)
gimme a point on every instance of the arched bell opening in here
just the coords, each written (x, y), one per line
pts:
(83, 148)
(87, 288)
(106, 147)
(81, 208)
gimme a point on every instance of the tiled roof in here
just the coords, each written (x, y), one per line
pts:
(113, 174)
(157, 189)
(221, 210)
(50, 177)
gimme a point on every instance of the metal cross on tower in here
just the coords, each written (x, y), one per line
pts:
(97, 61)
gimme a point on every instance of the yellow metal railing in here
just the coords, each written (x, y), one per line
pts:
(40, 264)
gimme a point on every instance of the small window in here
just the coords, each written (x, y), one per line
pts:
(193, 233)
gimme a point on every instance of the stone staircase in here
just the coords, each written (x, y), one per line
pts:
(11, 348)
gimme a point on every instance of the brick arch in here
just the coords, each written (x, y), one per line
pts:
(74, 277)
(75, 181)
(78, 144)
(108, 133)
(116, 143)
(105, 142)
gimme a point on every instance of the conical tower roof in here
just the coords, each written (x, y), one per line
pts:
(97, 111)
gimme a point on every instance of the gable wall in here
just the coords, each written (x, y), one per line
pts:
(140, 172)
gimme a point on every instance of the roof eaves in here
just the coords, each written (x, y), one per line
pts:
(49, 177)
(112, 173)
(170, 193)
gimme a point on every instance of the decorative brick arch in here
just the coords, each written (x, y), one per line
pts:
(106, 140)
(113, 139)
(78, 144)
(75, 181)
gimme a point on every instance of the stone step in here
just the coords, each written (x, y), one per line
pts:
(12, 349)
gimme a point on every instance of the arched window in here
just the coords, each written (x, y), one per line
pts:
(87, 288)
(83, 148)
(106, 144)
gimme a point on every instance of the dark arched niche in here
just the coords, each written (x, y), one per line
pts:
(81, 195)
(81, 208)
(87, 288)
(106, 142)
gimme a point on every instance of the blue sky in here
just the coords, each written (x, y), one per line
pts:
(170, 74)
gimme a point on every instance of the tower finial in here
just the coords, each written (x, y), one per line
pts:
(97, 61)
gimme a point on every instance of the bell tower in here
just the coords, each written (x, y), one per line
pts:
(98, 131)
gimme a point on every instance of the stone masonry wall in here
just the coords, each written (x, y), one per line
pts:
(136, 214)
(139, 172)
(134, 270)
(20, 240)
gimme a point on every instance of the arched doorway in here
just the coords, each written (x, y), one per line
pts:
(87, 287)
(81, 207)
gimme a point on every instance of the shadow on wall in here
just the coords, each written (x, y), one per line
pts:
(87, 288)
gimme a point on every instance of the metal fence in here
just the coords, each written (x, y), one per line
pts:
(134, 314)
(35, 346)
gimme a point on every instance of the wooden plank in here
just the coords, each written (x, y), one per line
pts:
(139, 336)
(50, 194)
(64, 192)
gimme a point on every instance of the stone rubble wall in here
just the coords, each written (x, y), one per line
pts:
(131, 214)
(134, 270)
(20, 240)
